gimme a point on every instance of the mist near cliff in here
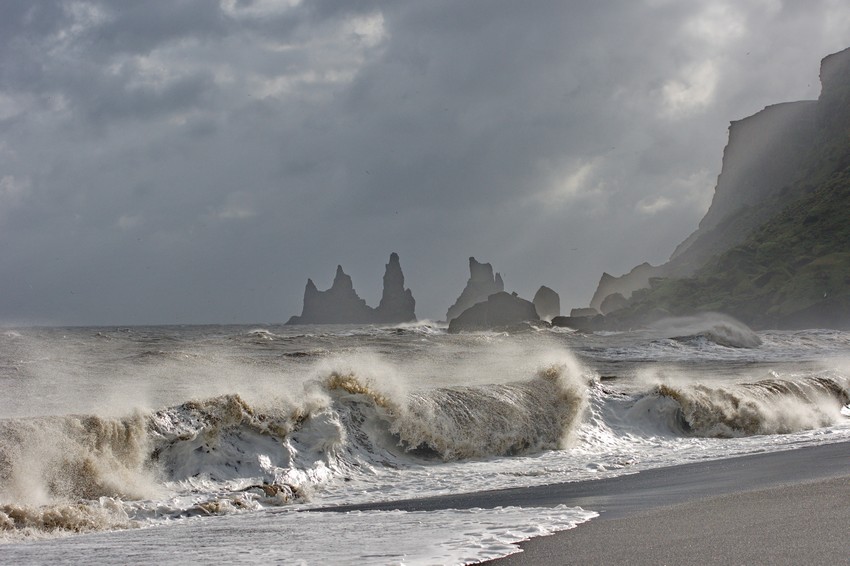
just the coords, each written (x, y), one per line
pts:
(196, 162)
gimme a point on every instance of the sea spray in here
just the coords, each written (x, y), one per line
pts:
(771, 406)
(494, 420)
(45, 459)
(716, 328)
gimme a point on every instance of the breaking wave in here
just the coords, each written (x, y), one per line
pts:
(771, 406)
(716, 328)
(223, 455)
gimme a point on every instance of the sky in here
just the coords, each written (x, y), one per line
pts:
(193, 161)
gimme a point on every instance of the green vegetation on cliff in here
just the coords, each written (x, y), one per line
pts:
(773, 250)
(794, 271)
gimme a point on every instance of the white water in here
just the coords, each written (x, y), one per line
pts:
(183, 429)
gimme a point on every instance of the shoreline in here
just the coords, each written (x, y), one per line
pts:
(789, 507)
(784, 507)
(800, 523)
(628, 494)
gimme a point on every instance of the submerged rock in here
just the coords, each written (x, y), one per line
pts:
(500, 310)
(481, 284)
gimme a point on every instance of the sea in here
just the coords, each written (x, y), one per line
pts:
(139, 445)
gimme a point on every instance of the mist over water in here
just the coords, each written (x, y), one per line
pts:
(109, 429)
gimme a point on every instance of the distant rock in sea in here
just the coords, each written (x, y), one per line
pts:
(397, 303)
(547, 302)
(341, 305)
(500, 310)
(625, 285)
(481, 284)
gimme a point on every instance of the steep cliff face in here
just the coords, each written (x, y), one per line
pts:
(341, 305)
(774, 249)
(481, 284)
(766, 154)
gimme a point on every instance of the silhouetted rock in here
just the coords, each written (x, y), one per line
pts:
(341, 305)
(637, 278)
(500, 310)
(397, 303)
(583, 312)
(547, 302)
(584, 323)
(613, 302)
(481, 284)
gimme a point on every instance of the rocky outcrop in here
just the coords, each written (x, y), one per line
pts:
(481, 284)
(613, 303)
(500, 311)
(397, 303)
(583, 313)
(341, 305)
(338, 305)
(588, 323)
(625, 285)
(547, 302)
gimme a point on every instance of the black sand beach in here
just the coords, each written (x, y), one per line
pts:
(790, 507)
(787, 507)
(805, 523)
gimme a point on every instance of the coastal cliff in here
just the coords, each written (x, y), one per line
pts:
(774, 248)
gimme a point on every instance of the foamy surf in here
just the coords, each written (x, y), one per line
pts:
(380, 537)
(287, 419)
(223, 455)
(770, 406)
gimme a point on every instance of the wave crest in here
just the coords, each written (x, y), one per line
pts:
(772, 406)
(494, 420)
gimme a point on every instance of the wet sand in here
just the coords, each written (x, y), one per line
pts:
(788, 507)
(782, 508)
(806, 523)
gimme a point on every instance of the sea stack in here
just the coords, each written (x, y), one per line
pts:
(547, 303)
(341, 305)
(500, 311)
(397, 303)
(481, 284)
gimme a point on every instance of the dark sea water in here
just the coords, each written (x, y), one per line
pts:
(162, 443)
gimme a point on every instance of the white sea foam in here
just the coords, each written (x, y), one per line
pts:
(374, 537)
(714, 327)
(375, 415)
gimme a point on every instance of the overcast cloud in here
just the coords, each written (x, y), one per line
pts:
(186, 161)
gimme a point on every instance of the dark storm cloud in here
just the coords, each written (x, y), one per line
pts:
(191, 161)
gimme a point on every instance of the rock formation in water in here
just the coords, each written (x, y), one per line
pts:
(397, 303)
(625, 285)
(774, 248)
(500, 310)
(341, 305)
(547, 302)
(481, 284)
